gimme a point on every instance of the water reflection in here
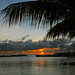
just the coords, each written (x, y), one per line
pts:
(35, 66)
(41, 62)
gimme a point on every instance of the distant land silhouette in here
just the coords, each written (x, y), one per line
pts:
(16, 55)
(67, 54)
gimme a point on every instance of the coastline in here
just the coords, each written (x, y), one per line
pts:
(55, 55)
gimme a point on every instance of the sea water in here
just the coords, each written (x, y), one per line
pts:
(36, 66)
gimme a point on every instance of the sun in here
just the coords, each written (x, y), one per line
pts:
(42, 53)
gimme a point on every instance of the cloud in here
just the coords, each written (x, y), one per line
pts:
(23, 38)
(64, 45)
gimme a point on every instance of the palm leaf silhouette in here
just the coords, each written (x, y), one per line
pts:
(58, 14)
(64, 28)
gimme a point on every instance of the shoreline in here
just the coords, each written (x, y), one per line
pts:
(20, 55)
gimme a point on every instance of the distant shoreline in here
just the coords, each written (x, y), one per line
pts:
(20, 55)
(55, 56)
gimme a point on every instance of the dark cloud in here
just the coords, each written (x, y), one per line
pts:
(62, 44)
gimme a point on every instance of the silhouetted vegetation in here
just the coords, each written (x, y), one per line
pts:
(14, 55)
(59, 15)
(68, 54)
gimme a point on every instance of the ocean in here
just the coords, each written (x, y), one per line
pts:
(36, 66)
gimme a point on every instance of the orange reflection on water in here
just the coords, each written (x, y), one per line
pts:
(41, 62)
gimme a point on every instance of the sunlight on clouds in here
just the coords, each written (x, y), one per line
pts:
(40, 51)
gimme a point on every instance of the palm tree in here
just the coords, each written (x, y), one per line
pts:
(59, 15)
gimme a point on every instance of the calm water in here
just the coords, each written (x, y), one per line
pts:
(36, 66)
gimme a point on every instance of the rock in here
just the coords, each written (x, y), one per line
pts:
(72, 63)
(65, 63)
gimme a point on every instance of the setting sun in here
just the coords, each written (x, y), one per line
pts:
(42, 53)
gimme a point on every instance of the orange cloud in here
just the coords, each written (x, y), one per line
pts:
(41, 51)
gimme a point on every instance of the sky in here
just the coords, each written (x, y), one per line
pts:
(40, 47)
(25, 37)
(14, 33)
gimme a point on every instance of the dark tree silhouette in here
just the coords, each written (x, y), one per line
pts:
(59, 15)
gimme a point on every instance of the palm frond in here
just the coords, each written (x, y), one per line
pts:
(44, 12)
(67, 27)
(35, 12)
(70, 4)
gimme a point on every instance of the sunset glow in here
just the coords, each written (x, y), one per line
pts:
(41, 51)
